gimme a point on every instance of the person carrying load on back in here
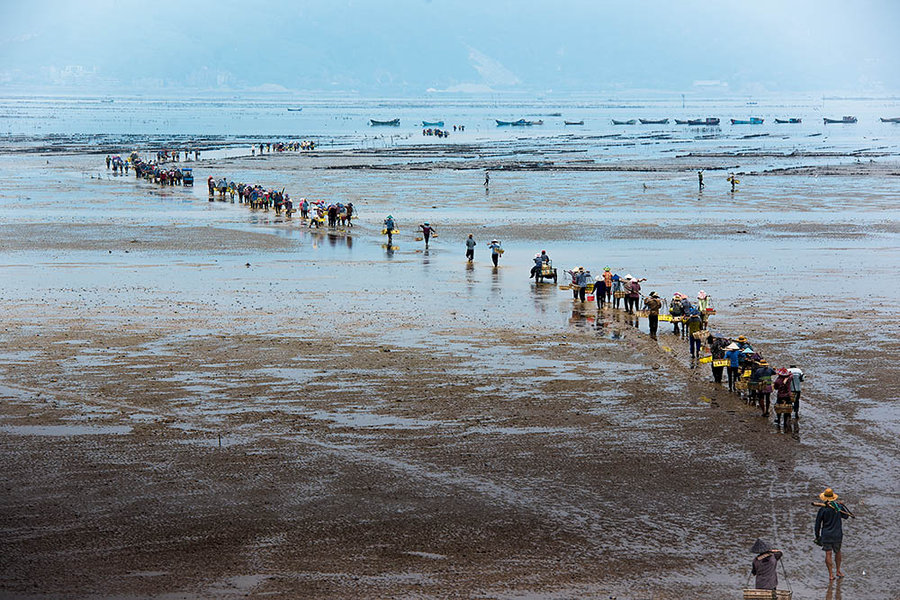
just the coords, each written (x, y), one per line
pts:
(783, 396)
(765, 565)
(762, 375)
(496, 251)
(427, 230)
(617, 290)
(539, 261)
(635, 295)
(389, 227)
(676, 310)
(601, 287)
(694, 325)
(652, 303)
(607, 282)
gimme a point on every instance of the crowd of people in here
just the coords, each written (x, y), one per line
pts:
(282, 147)
(749, 374)
(441, 133)
(153, 171)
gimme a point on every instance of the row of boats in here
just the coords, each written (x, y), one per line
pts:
(707, 122)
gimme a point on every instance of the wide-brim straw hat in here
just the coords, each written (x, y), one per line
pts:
(701, 295)
(828, 495)
(732, 346)
(654, 295)
(764, 363)
(760, 546)
(741, 338)
(629, 276)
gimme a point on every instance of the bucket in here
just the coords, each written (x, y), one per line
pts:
(590, 297)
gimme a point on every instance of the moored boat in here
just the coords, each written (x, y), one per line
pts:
(791, 120)
(750, 121)
(628, 122)
(538, 122)
(654, 121)
(680, 122)
(295, 109)
(391, 123)
(519, 123)
(844, 120)
(432, 123)
(708, 121)
(574, 122)
(890, 120)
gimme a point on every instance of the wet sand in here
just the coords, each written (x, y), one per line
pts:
(207, 402)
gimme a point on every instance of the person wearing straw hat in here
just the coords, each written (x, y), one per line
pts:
(733, 356)
(652, 303)
(783, 397)
(765, 565)
(676, 309)
(762, 375)
(496, 251)
(829, 530)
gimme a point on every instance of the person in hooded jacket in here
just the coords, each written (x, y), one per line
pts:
(765, 565)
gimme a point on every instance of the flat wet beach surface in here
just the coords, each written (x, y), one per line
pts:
(206, 401)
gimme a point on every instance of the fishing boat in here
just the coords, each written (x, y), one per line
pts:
(843, 120)
(750, 121)
(708, 121)
(890, 120)
(791, 120)
(654, 121)
(295, 109)
(680, 122)
(574, 122)
(432, 123)
(538, 122)
(519, 123)
(628, 122)
(391, 123)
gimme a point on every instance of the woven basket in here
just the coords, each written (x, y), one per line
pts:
(618, 294)
(783, 408)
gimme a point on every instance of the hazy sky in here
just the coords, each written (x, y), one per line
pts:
(406, 47)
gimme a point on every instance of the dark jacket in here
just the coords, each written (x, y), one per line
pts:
(765, 567)
(829, 528)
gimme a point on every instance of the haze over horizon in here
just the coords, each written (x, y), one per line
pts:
(417, 47)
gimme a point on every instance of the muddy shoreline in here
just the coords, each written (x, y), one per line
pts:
(206, 401)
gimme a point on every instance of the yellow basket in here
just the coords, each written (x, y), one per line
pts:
(721, 362)
(665, 317)
(705, 359)
(565, 287)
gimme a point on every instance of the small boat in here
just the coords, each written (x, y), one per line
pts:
(574, 122)
(654, 121)
(295, 109)
(844, 120)
(628, 122)
(519, 123)
(708, 121)
(791, 120)
(432, 123)
(890, 120)
(391, 123)
(538, 122)
(680, 122)
(750, 121)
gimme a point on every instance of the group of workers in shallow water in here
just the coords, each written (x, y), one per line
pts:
(282, 147)
(748, 373)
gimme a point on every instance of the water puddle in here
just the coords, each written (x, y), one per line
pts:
(64, 430)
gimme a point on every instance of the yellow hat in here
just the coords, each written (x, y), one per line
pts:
(828, 495)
